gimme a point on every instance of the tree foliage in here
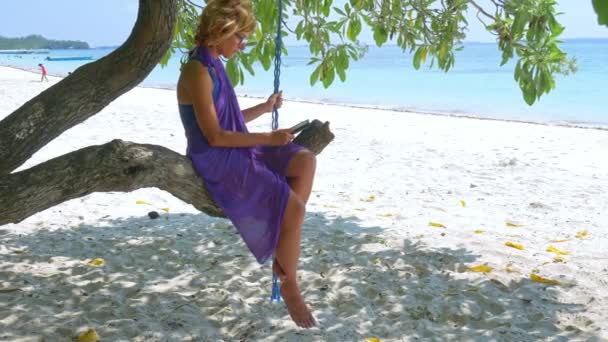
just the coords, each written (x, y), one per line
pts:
(433, 30)
(39, 42)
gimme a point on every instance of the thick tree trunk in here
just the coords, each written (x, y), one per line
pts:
(90, 88)
(117, 166)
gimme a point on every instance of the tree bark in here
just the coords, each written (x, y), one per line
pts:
(117, 166)
(88, 89)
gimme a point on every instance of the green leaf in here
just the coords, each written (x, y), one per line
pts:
(314, 77)
(299, 29)
(247, 65)
(517, 72)
(233, 71)
(329, 76)
(418, 56)
(339, 11)
(380, 36)
(506, 54)
(529, 94)
(327, 7)
(518, 25)
(341, 74)
(353, 29)
(601, 8)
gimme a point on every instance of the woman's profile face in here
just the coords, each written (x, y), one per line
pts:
(233, 44)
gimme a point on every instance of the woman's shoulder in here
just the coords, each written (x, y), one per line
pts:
(194, 68)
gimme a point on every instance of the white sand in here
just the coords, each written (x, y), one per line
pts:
(371, 267)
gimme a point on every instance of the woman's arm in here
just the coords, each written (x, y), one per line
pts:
(255, 111)
(197, 83)
(265, 107)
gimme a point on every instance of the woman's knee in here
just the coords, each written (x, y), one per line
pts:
(304, 163)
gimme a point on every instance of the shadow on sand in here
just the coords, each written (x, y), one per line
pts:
(186, 277)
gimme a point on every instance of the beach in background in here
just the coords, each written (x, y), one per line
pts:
(419, 227)
(385, 78)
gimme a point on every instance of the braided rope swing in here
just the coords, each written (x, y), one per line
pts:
(277, 63)
(276, 293)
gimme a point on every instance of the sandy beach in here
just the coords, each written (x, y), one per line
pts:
(419, 227)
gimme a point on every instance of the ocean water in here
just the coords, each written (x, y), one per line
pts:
(476, 86)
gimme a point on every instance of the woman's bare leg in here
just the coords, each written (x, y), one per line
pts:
(287, 255)
(300, 174)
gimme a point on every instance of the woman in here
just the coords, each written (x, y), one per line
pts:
(262, 181)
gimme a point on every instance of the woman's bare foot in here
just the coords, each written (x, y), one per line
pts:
(276, 269)
(299, 312)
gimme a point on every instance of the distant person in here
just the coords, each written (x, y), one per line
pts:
(43, 72)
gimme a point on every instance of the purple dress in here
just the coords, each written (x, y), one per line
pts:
(248, 183)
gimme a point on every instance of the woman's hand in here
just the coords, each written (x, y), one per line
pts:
(274, 100)
(280, 137)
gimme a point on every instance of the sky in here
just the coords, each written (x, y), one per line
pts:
(109, 22)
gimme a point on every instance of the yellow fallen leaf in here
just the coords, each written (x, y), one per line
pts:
(360, 209)
(88, 336)
(582, 234)
(510, 269)
(538, 279)
(556, 251)
(376, 260)
(513, 224)
(386, 215)
(462, 203)
(141, 202)
(479, 231)
(329, 206)
(436, 224)
(165, 209)
(372, 339)
(97, 262)
(560, 240)
(559, 259)
(371, 198)
(481, 269)
(18, 251)
(514, 245)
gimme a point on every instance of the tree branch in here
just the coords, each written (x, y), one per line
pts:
(117, 166)
(195, 5)
(480, 9)
(88, 89)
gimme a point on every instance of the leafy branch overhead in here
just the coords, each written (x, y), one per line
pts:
(525, 30)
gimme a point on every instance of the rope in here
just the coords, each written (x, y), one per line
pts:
(277, 64)
(276, 293)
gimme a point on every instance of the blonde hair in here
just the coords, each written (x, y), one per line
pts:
(223, 18)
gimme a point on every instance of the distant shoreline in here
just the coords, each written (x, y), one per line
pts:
(37, 41)
(388, 109)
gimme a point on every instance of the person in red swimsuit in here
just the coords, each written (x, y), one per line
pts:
(43, 71)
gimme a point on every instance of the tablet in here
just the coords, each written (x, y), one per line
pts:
(299, 127)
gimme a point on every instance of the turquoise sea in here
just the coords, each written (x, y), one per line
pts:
(476, 86)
